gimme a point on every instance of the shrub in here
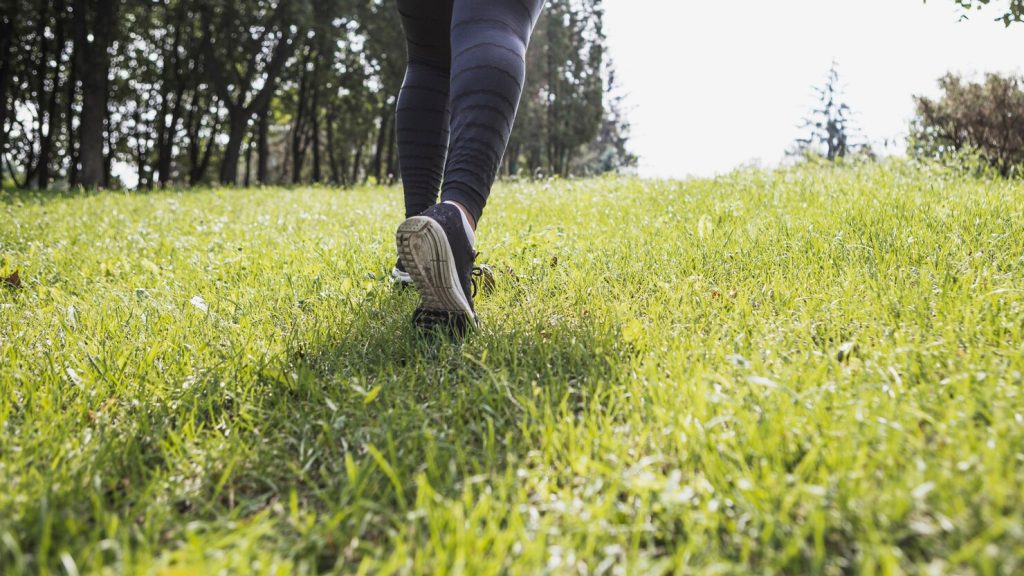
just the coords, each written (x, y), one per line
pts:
(975, 125)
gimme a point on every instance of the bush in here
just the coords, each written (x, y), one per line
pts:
(976, 126)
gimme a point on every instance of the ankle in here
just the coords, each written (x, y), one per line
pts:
(465, 212)
(467, 222)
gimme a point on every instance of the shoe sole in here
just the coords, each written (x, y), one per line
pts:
(427, 256)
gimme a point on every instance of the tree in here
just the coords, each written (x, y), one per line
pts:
(609, 151)
(1014, 9)
(983, 119)
(831, 133)
(564, 107)
(385, 54)
(245, 47)
(34, 83)
(297, 90)
(8, 17)
(95, 31)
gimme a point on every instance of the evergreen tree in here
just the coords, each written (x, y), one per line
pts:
(830, 129)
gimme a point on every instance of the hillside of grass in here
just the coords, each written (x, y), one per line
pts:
(806, 371)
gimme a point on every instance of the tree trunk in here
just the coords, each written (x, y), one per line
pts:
(236, 98)
(167, 133)
(356, 163)
(37, 164)
(108, 159)
(143, 154)
(263, 146)
(343, 170)
(165, 152)
(248, 163)
(50, 99)
(192, 126)
(72, 96)
(332, 157)
(393, 169)
(314, 111)
(202, 164)
(52, 121)
(171, 104)
(299, 127)
(198, 156)
(7, 31)
(317, 169)
(95, 70)
(513, 161)
(552, 87)
(382, 139)
(238, 121)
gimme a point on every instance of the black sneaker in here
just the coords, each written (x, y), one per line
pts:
(438, 255)
(400, 276)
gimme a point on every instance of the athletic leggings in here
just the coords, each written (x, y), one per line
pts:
(459, 99)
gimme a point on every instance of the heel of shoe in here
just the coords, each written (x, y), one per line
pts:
(424, 250)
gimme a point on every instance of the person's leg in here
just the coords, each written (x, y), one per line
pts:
(422, 118)
(488, 48)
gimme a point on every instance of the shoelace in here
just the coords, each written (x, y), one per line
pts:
(475, 277)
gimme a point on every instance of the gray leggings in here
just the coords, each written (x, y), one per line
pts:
(467, 64)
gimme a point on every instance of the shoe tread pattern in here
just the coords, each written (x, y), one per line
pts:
(424, 250)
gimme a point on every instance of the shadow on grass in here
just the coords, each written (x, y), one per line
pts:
(378, 409)
(348, 422)
(450, 409)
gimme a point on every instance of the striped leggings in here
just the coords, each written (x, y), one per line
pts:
(460, 95)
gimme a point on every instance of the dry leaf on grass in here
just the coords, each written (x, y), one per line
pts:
(12, 281)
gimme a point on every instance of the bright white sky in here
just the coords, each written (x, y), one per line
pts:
(713, 84)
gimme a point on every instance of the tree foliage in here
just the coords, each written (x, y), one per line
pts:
(570, 119)
(186, 92)
(1013, 9)
(980, 121)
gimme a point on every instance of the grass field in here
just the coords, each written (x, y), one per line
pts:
(807, 371)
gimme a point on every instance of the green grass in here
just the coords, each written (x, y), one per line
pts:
(806, 371)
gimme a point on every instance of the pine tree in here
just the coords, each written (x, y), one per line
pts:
(831, 132)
